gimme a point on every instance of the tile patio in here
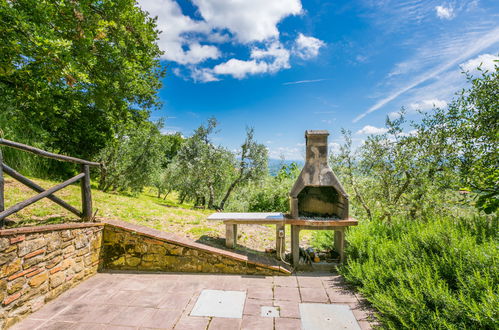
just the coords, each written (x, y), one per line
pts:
(129, 300)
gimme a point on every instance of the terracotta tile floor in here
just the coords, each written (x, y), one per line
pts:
(164, 301)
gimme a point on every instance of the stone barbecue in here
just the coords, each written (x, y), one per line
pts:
(317, 194)
(317, 202)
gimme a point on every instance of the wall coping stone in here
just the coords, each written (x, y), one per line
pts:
(153, 233)
(38, 229)
(172, 238)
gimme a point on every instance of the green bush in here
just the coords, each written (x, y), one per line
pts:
(441, 273)
(268, 195)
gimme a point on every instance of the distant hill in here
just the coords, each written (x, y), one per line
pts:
(276, 164)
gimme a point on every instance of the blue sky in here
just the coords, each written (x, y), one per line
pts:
(284, 66)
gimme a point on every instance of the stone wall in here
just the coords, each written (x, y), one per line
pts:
(132, 247)
(39, 263)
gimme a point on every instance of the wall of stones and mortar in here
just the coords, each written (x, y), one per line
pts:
(125, 249)
(38, 264)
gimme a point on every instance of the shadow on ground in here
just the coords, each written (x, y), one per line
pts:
(266, 258)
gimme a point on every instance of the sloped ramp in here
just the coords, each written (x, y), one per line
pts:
(128, 246)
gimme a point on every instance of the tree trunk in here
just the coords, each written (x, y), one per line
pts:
(229, 191)
(103, 177)
(167, 193)
(211, 201)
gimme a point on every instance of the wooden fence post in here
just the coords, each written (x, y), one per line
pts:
(2, 182)
(86, 194)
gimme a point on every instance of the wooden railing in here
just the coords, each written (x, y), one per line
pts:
(86, 194)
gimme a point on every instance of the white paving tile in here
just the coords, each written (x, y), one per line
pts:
(220, 303)
(327, 317)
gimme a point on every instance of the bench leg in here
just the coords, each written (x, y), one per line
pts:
(339, 243)
(295, 245)
(230, 236)
(280, 245)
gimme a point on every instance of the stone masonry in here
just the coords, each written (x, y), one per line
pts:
(131, 247)
(38, 264)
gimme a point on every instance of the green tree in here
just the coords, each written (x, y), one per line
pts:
(467, 137)
(170, 145)
(73, 72)
(203, 169)
(208, 174)
(392, 174)
(252, 164)
(130, 161)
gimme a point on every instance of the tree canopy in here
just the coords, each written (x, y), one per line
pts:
(72, 72)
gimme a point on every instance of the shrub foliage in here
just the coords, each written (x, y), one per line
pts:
(440, 273)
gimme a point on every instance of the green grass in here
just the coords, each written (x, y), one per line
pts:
(145, 209)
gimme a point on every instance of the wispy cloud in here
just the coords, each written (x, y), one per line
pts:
(458, 56)
(324, 112)
(368, 130)
(289, 153)
(303, 81)
(444, 12)
(328, 121)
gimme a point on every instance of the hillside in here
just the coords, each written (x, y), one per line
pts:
(145, 209)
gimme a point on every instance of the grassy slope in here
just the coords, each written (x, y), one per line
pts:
(145, 209)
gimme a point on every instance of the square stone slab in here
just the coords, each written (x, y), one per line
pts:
(327, 317)
(269, 311)
(220, 303)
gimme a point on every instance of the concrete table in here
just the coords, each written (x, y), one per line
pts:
(231, 220)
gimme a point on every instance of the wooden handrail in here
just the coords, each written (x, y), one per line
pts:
(84, 176)
(19, 206)
(27, 182)
(47, 154)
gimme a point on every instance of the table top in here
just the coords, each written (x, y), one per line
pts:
(249, 217)
(246, 216)
(276, 218)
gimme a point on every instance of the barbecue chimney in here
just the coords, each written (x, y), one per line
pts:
(317, 194)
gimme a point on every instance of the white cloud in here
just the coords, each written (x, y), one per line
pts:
(328, 121)
(254, 20)
(289, 153)
(303, 81)
(368, 130)
(401, 68)
(394, 115)
(426, 105)
(361, 58)
(191, 41)
(444, 12)
(203, 75)
(198, 53)
(413, 132)
(484, 61)
(275, 52)
(272, 59)
(334, 147)
(307, 47)
(448, 56)
(240, 69)
(174, 25)
(171, 130)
